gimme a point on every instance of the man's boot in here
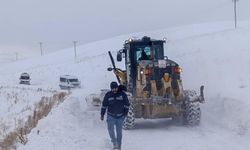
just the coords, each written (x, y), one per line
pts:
(115, 146)
(119, 147)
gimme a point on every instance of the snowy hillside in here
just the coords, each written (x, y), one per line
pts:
(214, 55)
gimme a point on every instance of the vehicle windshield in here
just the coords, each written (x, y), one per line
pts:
(73, 80)
(152, 52)
(143, 53)
(25, 77)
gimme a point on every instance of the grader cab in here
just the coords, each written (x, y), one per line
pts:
(154, 83)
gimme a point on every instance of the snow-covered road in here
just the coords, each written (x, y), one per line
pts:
(73, 126)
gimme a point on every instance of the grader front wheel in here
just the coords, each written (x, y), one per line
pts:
(129, 121)
(192, 114)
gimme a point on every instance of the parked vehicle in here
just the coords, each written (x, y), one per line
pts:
(68, 82)
(24, 78)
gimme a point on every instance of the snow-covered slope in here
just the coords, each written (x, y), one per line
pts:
(210, 54)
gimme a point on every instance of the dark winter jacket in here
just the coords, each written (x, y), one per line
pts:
(117, 104)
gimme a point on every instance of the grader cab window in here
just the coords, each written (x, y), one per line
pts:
(148, 53)
(143, 53)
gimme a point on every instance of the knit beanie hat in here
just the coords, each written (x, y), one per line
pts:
(113, 85)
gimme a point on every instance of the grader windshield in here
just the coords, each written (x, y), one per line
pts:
(145, 51)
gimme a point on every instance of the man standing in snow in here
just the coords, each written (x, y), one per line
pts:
(116, 101)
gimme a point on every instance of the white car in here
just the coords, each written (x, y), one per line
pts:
(24, 78)
(68, 82)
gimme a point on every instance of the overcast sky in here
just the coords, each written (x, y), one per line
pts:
(56, 23)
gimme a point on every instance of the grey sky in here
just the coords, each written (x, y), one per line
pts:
(56, 23)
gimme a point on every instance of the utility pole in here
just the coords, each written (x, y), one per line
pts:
(235, 13)
(16, 55)
(75, 47)
(41, 47)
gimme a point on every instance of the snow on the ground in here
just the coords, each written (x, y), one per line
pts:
(215, 55)
(17, 103)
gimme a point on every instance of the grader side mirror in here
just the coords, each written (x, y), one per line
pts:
(119, 56)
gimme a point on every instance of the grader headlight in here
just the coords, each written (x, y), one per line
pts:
(164, 39)
(129, 40)
(177, 69)
(148, 71)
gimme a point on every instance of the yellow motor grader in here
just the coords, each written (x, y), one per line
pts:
(154, 84)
